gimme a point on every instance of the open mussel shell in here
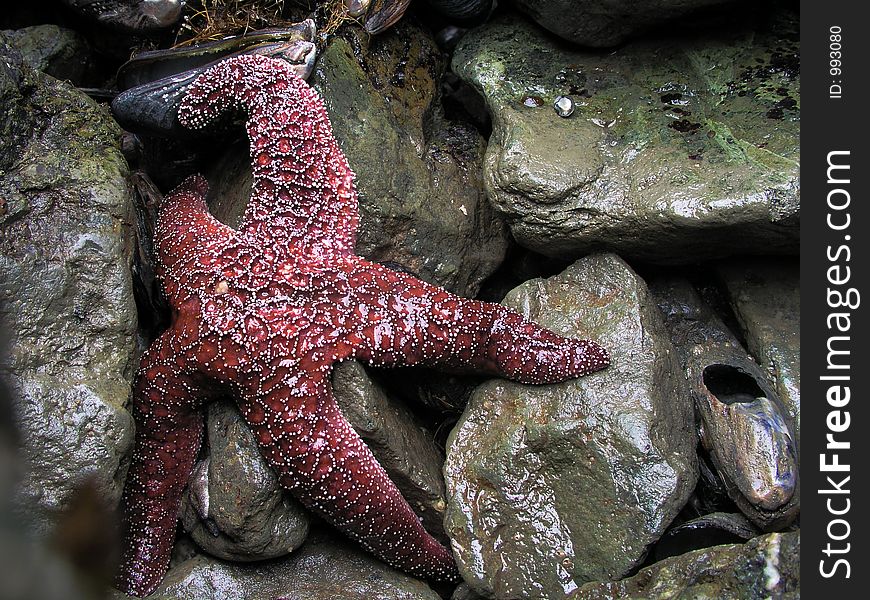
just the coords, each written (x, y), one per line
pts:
(744, 428)
(743, 425)
(160, 79)
(139, 16)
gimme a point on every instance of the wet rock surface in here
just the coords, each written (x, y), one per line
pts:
(233, 507)
(674, 153)
(56, 51)
(602, 23)
(324, 569)
(551, 487)
(765, 297)
(421, 200)
(65, 289)
(765, 567)
(464, 592)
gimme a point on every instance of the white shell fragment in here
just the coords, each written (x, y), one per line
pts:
(564, 106)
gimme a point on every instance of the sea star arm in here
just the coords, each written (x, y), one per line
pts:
(168, 434)
(401, 320)
(189, 241)
(303, 193)
(324, 463)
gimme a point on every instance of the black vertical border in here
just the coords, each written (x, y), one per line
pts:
(828, 124)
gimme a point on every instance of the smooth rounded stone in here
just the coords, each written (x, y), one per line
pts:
(323, 569)
(602, 23)
(56, 51)
(765, 567)
(234, 507)
(676, 152)
(401, 444)
(765, 297)
(422, 203)
(65, 289)
(552, 486)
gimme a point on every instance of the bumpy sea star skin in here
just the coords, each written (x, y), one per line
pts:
(264, 312)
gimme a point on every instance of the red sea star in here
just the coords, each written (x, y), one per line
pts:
(264, 312)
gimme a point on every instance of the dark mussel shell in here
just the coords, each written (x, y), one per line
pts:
(463, 10)
(157, 80)
(149, 66)
(705, 531)
(357, 8)
(383, 14)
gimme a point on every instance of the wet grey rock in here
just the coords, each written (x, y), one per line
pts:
(602, 23)
(183, 549)
(65, 289)
(550, 487)
(765, 296)
(323, 569)
(233, 507)
(765, 567)
(27, 569)
(422, 203)
(464, 592)
(674, 153)
(401, 444)
(56, 51)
